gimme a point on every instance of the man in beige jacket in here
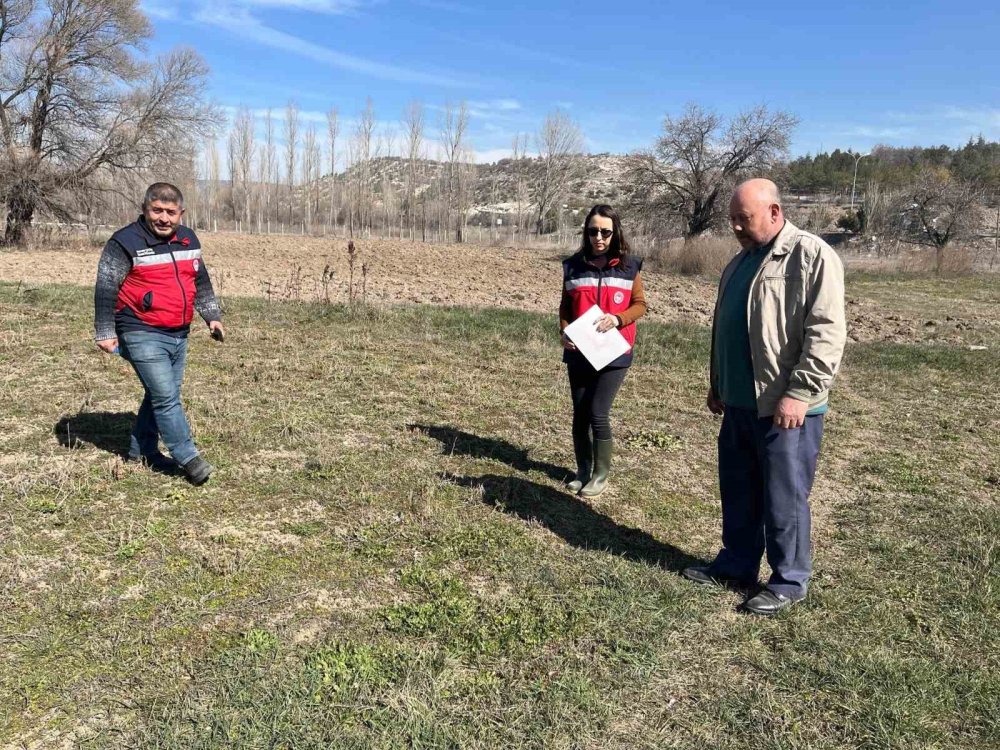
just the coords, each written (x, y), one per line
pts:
(777, 339)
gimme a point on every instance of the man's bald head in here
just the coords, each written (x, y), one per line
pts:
(758, 190)
(755, 212)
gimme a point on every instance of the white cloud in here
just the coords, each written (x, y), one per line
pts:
(950, 125)
(503, 49)
(243, 24)
(331, 7)
(501, 105)
(278, 114)
(875, 132)
(950, 122)
(496, 109)
(985, 118)
(445, 5)
(497, 117)
(161, 11)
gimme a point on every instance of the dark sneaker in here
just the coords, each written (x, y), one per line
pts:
(198, 470)
(155, 461)
(768, 603)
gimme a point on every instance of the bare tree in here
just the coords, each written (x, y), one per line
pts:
(310, 173)
(363, 142)
(332, 131)
(386, 148)
(938, 209)
(390, 203)
(212, 175)
(413, 126)
(494, 182)
(454, 124)
(241, 152)
(519, 161)
(699, 157)
(351, 183)
(874, 215)
(316, 158)
(81, 109)
(291, 149)
(269, 167)
(560, 146)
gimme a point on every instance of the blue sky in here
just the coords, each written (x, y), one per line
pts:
(855, 73)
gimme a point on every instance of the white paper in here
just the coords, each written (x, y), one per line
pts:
(600, 349)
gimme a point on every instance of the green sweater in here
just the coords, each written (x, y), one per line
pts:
(733, 361)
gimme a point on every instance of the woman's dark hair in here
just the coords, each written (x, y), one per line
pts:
(619, 243)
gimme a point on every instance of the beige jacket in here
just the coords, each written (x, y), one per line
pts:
(796, 320)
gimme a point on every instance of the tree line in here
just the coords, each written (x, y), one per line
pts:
(414, 177)
(978, 161)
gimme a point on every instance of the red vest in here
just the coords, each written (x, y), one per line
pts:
(610, 288)
(160, 289)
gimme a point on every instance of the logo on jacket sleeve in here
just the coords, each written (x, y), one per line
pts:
(196, 265)
(619, 297)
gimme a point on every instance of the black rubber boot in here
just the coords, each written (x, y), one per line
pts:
(583, 447)
(602, 467)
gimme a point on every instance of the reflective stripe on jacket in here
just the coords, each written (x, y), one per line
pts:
(160, 289)
(610, 288)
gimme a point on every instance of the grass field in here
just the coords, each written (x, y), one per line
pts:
(385, 558)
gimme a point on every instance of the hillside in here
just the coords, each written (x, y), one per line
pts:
(494, 186)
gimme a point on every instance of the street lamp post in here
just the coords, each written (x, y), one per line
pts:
(854, 184)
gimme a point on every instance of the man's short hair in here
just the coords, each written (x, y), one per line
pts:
(163, 191)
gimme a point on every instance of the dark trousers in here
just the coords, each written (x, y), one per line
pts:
(593, 392)
(765, 476)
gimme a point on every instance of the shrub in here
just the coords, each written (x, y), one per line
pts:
(698, 256)
(849, 221)
(948, 261)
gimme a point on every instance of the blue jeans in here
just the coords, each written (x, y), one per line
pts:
(765, 476)
(158, 360)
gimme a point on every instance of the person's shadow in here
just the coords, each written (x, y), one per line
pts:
(105, 430)
(455, 441)
(572, 519)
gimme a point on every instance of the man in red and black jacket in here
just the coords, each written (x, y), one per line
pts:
(150, 280)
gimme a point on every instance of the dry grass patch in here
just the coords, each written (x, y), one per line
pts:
(698, 256)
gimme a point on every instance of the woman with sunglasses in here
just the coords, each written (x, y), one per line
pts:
(604, 273)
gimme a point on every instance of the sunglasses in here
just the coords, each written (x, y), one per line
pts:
(605, 233)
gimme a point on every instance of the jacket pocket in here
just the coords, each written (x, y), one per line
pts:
(781, 278)
(147, 301)
(787, 287)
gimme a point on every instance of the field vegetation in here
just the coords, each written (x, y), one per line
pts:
(386, 559)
